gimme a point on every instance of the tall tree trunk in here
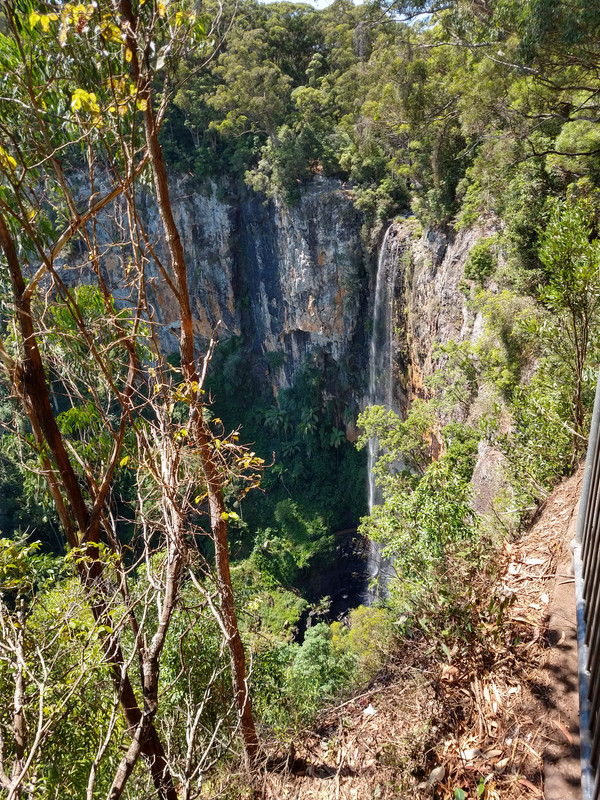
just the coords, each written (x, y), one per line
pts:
(140, 73)
(236, 648)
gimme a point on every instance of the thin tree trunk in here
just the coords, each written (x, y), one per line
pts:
(29, 382)
(234, 641)
(190, 374)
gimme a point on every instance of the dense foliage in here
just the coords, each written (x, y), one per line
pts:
(467, 112)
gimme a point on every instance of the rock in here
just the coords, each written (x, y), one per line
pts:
(289, 280)
(436, 775)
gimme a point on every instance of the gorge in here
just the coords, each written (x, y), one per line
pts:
(299, 285)
(248, 253)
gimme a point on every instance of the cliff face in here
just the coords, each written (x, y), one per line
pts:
(289, 280)
(304, 269)
(436, 308)
(430, 310)
(429, 307)
(297, 280)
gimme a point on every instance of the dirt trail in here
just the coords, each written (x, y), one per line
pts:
(483, 722)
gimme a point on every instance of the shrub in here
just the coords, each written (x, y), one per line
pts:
(368, 637)
(482, 260)
(319, 670)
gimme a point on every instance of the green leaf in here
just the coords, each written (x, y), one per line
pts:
(459, 794)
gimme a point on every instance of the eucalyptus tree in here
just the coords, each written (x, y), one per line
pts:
(571, 258)
(90, 84)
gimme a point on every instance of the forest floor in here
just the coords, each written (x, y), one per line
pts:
(476, 725)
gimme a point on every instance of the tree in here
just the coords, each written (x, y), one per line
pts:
(86, 158)
(254, 91)
(571, 258)
(426, 511)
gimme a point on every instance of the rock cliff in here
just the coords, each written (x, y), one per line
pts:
(288, 280)
(430, 310)
(297, 280)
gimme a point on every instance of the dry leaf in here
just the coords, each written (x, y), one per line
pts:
(470, 754)
(493, 753)
(562, 728)
(436, 775)
(528, 785)
(450, 673)
(496, 694)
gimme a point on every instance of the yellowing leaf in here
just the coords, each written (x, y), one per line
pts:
(45, 21)
(84, 101)
(109, 30)
(128, 55)
(34, 18)
(224, 515)
(142, 105)
(162, 9)
(123, 461)
(6, 160)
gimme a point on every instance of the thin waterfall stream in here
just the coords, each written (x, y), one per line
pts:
(381, 384)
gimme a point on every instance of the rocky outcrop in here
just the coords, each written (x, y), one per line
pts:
(431, 308)
(437, 310)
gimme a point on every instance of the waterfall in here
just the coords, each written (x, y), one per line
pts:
(381, 380)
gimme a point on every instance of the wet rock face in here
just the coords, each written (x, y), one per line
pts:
(304, 269)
